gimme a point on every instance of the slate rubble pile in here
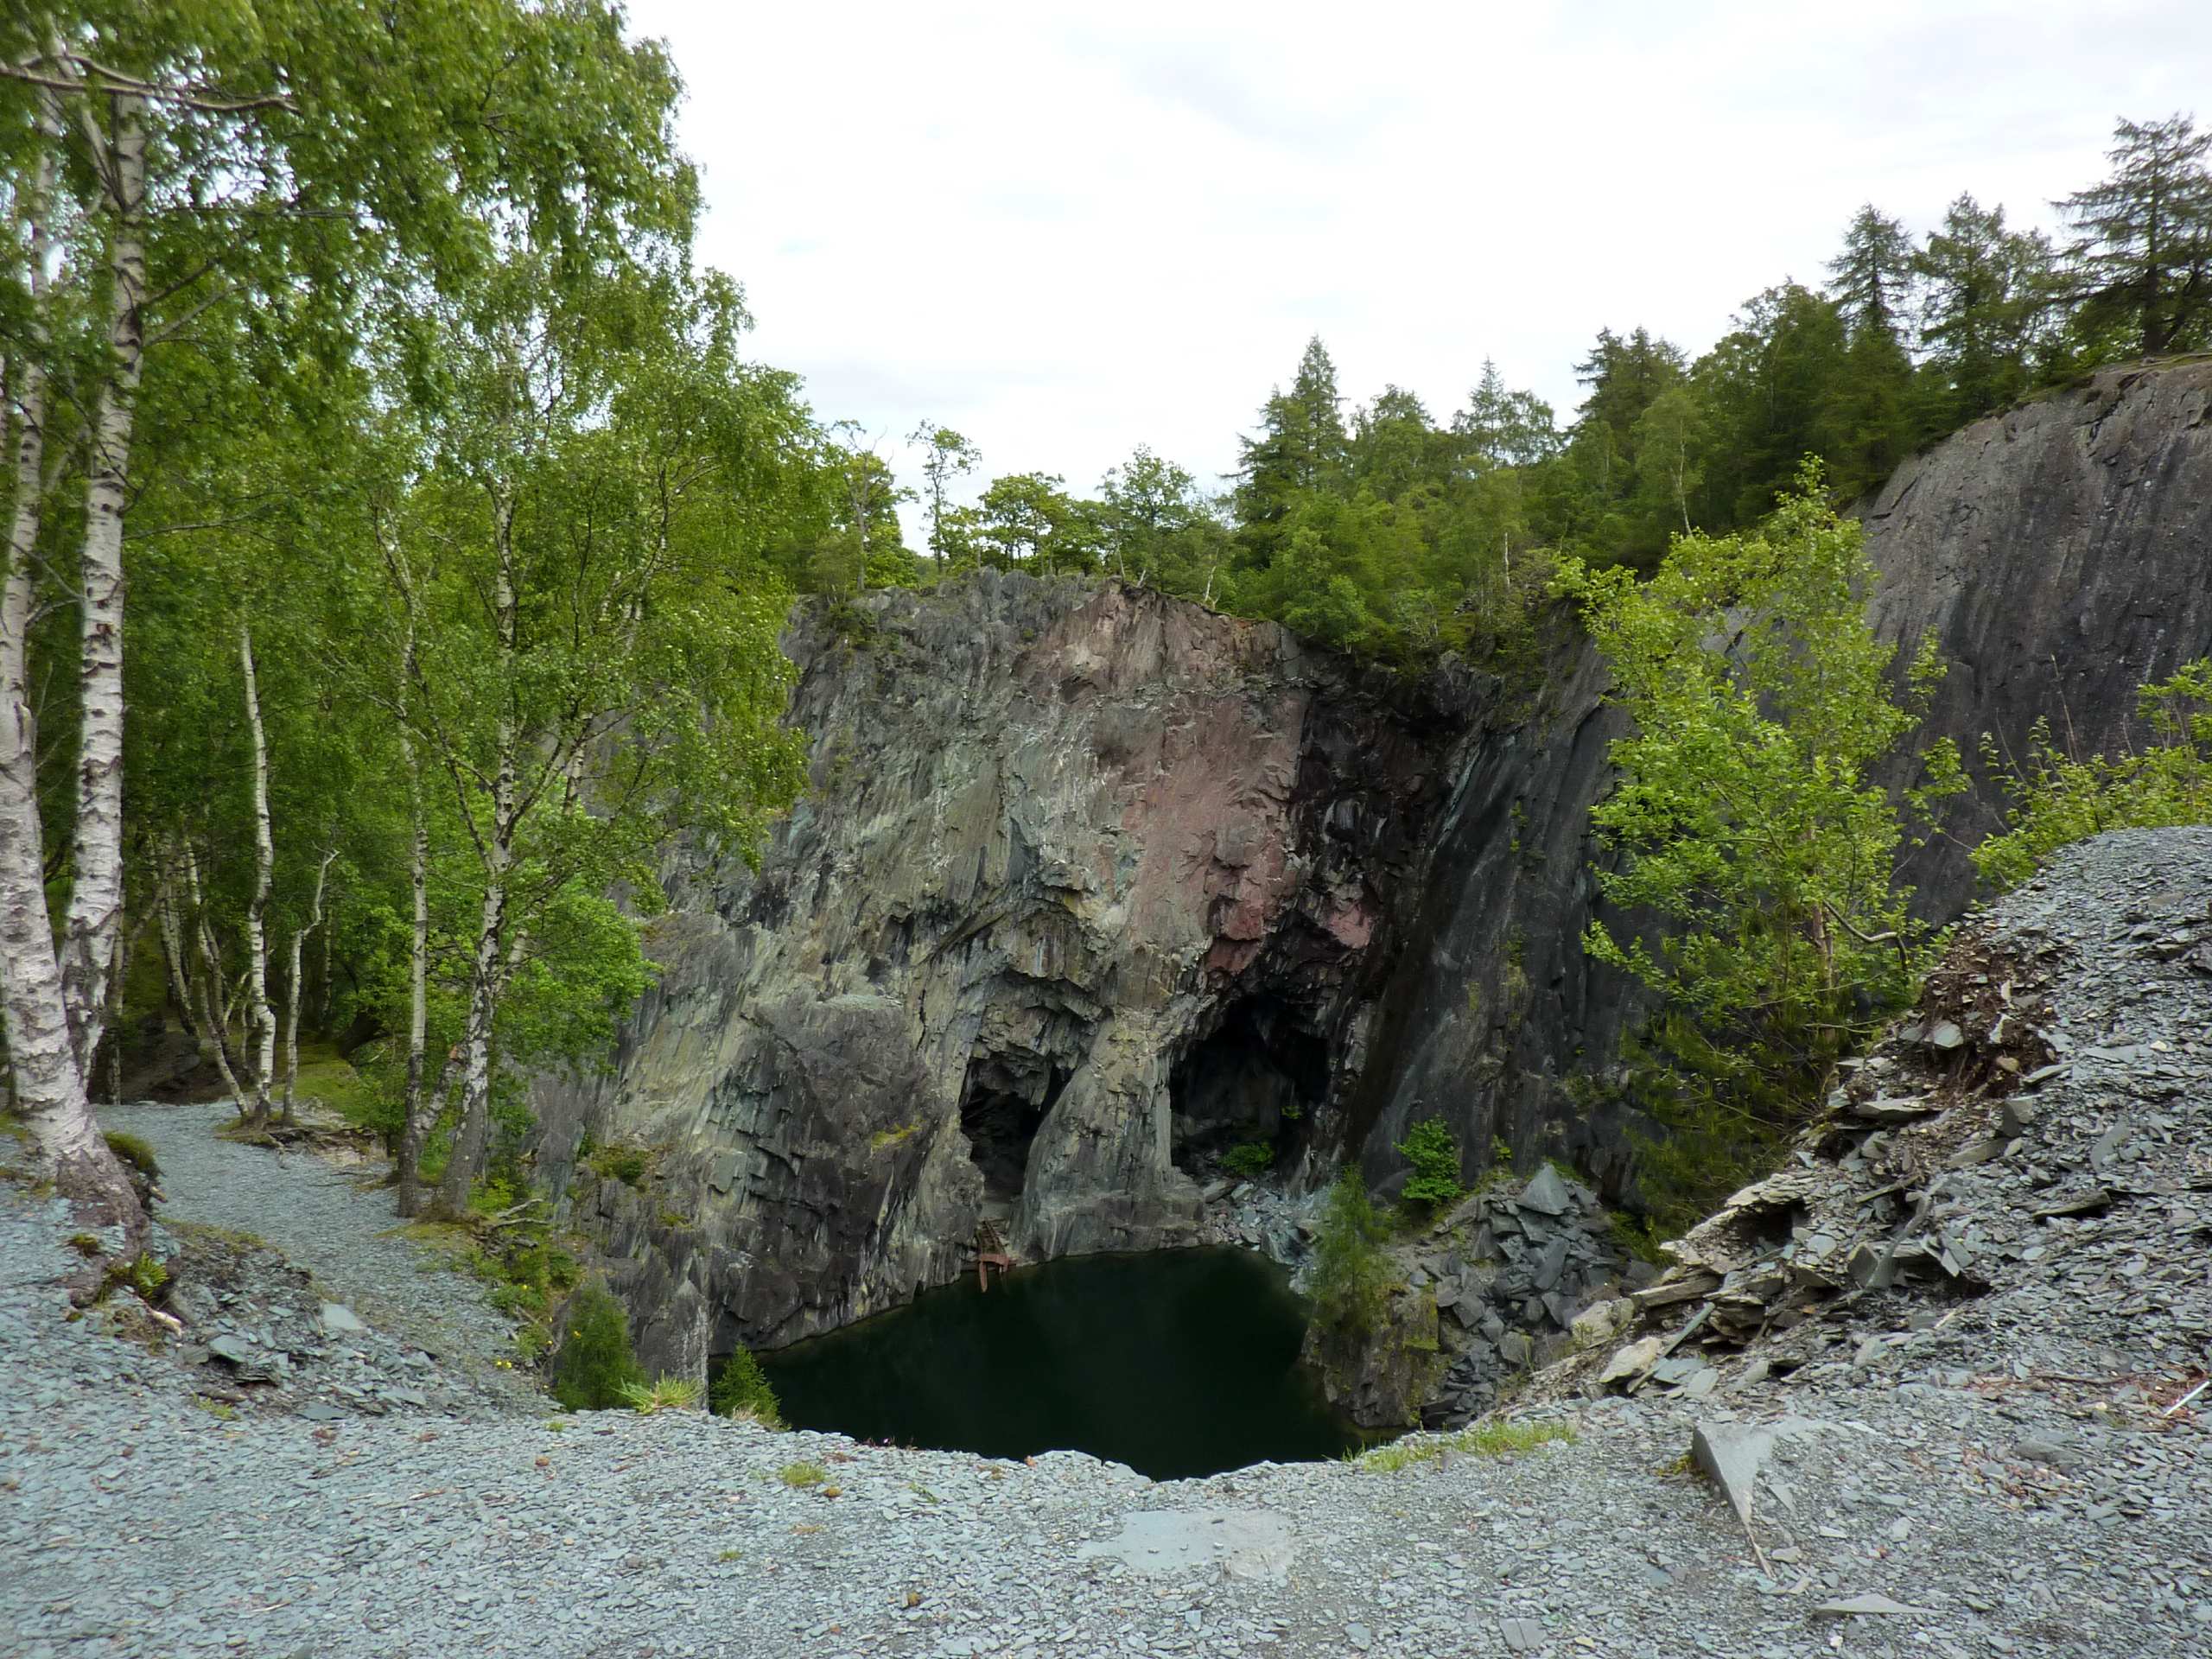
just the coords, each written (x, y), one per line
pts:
(1255, 1216)
(1511, 1271)
(2039, 1134)
(380, 1324)
(261, 1335)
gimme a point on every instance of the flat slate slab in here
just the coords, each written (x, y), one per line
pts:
(1242, 1543)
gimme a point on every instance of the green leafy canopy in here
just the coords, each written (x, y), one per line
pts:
(1748, 823)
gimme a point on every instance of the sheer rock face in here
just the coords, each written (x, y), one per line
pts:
(1088, 880)
(1092, 883)
(2062, 555)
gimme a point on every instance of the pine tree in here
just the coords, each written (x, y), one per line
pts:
(2143, 261)
(1988, 289)
(1873, 275)
(1500, 427)
(1301, 448)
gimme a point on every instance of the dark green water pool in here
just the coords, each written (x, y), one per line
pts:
(1176, 1363)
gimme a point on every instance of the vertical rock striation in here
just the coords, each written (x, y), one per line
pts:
(1088, 885)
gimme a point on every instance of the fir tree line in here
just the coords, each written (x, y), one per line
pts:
(1387, 531)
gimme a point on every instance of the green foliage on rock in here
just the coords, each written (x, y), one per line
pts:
(742, 1389)
(136, 1152)
(1250, 1160)
(1428, 1146)
(1352, 1276)
(1492, 1440)
(594, 1364)
(1747, 821)
(2057, 800)
(617, 1162)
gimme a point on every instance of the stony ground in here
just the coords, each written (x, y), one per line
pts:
(2002, 1472)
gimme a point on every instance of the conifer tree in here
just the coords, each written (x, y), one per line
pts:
(2142, 264)
(1873, 275)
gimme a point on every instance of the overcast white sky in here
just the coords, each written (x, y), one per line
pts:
(1068, 230)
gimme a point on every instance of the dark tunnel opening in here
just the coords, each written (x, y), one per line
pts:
(1003, 1101)
(1257, 1079)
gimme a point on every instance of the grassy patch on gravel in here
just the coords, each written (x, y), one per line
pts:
(1481, 1440)
(663, 1393)
(800, 1476)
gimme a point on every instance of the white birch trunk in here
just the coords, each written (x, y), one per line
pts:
(414, 1126)
(487, 969)
(415, 1117)
(260, 1019)
(292, 995)
(96, 852)
(46, 1075)
(171, 926)
(215, 1005)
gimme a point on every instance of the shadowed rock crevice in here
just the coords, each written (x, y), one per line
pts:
(1002, 1103)
(1260, 1075)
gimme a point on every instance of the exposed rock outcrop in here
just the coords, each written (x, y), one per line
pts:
(1088, 888)
(2060, 553)
(1093, 884)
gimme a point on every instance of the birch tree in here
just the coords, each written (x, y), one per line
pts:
(590, 635)
(274, 177)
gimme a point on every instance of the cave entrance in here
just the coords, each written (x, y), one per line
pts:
(1256, 1079)
(1003, 1100)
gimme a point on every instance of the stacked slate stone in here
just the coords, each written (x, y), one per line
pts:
(2040, 1130)
(1511, 1271)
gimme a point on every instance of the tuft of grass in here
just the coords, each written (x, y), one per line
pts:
(800, 1476)
(663, 1393)
(135, 1151)
(730, 1555)
(142, 1275)
(883, 1138)
(1478, 1440)
(84, 1245)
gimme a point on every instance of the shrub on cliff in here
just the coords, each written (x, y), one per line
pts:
(1747, 822)
(1250, 1160)
(1352, 1279)
(2057, 800)
(595, 1366)
(1428, 1146)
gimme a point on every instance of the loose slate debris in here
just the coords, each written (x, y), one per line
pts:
(1521, 1635)
(1514, 1274)
(1865, 1207)
(1852, 1606)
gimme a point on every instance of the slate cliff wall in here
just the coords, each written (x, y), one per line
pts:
(1087, 886)
(1092, 883)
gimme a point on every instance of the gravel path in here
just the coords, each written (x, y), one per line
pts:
(1999, 1508)
(337, 1223)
